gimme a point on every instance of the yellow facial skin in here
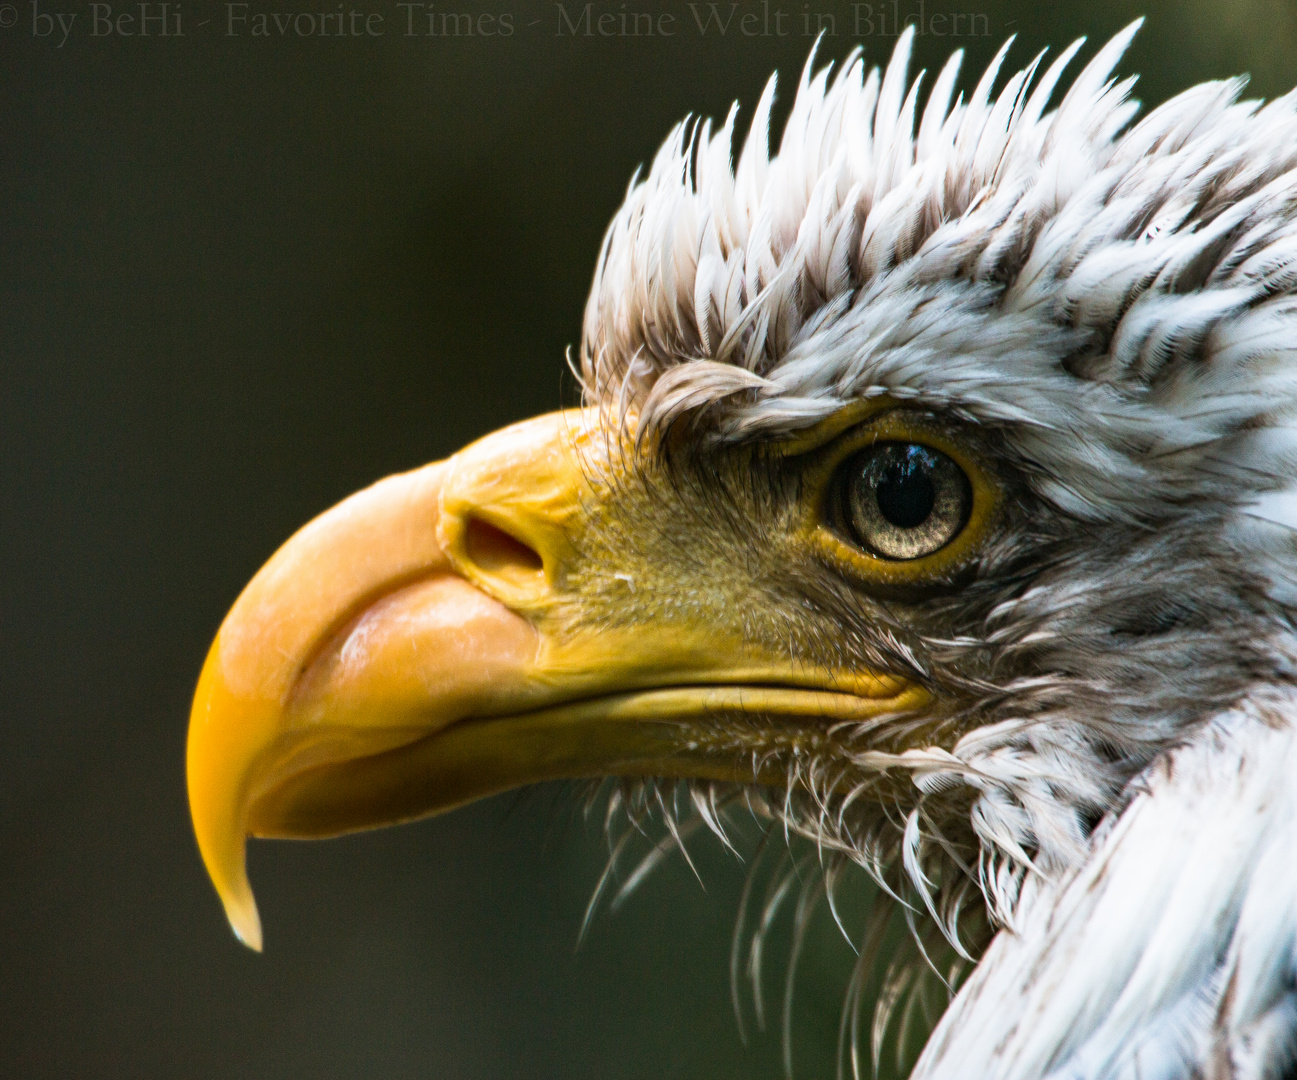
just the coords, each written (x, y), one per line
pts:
(422, 645)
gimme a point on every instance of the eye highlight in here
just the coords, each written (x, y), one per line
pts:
(900, 500)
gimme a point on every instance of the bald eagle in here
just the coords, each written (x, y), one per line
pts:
(934, 494)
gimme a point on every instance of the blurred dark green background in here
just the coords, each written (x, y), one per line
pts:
(239, 279)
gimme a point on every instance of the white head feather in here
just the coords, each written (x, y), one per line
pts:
(1117, 304)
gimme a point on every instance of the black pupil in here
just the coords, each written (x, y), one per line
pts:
(905, 493)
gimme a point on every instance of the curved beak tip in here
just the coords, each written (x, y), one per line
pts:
(216, 806)
(241, 911)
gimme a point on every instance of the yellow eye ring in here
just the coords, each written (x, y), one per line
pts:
(885, 422)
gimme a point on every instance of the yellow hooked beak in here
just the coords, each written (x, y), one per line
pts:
(418, 647)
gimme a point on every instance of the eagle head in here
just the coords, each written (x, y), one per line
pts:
(931, 496)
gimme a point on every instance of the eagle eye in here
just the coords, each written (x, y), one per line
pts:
(902, 500)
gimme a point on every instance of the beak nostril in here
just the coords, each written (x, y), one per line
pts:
(493, 550)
